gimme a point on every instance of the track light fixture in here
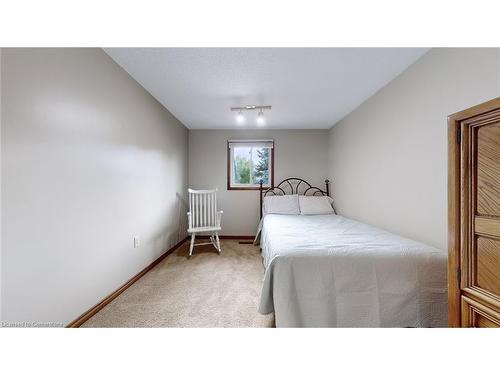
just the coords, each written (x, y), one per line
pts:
(240, 118)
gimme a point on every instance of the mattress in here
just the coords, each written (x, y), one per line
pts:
(330, 271)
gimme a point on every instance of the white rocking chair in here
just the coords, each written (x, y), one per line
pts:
(203, 217)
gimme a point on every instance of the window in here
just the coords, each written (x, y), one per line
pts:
(248, 162)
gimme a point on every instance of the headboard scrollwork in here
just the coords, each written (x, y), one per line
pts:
(293, 185)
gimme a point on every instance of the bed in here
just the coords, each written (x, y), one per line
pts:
(330, 271)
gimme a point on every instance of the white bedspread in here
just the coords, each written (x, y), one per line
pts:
(329, 271)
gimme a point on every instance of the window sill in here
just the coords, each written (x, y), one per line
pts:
(248, 188)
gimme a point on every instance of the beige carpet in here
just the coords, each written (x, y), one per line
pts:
(207, 290)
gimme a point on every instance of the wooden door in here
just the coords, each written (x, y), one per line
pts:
(474, 216)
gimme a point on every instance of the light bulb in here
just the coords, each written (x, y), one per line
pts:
(261, 121)
(240, 119)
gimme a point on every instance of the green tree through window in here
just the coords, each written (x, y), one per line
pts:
(242, 170)
(261, 170)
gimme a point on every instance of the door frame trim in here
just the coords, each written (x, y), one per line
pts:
(454, 222)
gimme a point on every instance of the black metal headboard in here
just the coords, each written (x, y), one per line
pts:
(293, 185)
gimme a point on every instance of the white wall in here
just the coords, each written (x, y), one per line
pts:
(89, 159)
(388, 158)
(298, 153)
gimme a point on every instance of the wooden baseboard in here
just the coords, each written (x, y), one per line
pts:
(95, 309)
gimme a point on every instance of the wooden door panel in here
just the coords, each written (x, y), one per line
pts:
(476, 315)
(488, 265)
(488, 170)
(484, 322)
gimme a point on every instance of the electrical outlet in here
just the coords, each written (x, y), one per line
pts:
(136, 242)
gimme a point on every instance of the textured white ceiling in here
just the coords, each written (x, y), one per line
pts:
(308, 88)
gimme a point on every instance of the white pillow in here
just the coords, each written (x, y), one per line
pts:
(281, 204)
(315, 205)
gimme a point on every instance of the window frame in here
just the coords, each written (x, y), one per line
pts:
(229, 168)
